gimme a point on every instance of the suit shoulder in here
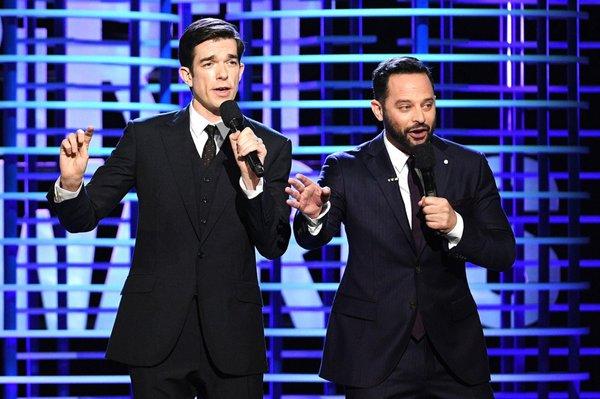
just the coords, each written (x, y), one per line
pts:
(155, 119)
(265, 130)
(457, 150)
(348, 155)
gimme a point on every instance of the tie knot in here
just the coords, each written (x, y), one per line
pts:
(211, 130)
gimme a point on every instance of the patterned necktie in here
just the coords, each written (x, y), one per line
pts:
(418, 330)
(210, 147)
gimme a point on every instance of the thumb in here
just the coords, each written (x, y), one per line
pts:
(325, 194)
(89, 132)
(87, 137)
(234, 136)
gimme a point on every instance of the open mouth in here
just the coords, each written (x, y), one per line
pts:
(418, 134)
(222, 91)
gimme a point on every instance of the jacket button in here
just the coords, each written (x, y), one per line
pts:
(204, 200)
(413, 305)
(200, 254)
(207, 179)
(418, 269)
(203, 221)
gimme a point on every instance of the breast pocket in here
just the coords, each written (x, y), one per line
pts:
(138, 283)
(355, 307)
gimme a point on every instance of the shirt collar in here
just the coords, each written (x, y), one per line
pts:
(198, 123)
(397, 157)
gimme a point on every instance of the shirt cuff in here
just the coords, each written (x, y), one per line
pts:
(60, 194)
(454, 235)
(252, 193)
(315, 225)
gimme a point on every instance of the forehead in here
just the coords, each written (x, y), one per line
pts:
(216, 48)
(409, 86)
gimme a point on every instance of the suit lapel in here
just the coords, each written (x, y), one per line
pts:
(177, 140)
(378, 163)
(442, 165)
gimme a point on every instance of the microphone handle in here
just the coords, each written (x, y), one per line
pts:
(429, 183)
(251, 158)
(255, 164)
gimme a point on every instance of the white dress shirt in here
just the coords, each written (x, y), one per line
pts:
(197, 125)
(399, 161)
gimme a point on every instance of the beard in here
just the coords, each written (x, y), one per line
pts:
(399, 137)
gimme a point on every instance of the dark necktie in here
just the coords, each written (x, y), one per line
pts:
(415, 196)
(418, 330)
(210, 148)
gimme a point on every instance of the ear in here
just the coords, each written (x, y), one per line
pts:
(241, 72)
(377, 110)
(186, 75)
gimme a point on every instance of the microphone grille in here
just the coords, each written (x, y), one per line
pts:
(424, 156)
(230, 112)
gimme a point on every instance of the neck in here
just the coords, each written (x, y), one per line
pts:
(210, 116)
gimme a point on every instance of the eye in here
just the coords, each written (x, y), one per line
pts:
(232, 62)
(428, 106)
(206, 64)
(404, 108)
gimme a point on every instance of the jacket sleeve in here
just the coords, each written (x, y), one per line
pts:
(268, 214)
(331, 176)
(488, 239)
(108, 186)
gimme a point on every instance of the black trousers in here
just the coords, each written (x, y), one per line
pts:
(421, 374)
(188, 372)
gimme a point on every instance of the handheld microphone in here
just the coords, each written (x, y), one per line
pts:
(233, 119)
(424, 164)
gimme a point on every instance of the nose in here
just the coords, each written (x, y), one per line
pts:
(222, 72)
(419, 115)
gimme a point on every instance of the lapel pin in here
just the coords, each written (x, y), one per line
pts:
(391, 179)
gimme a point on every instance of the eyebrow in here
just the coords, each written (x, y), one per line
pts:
(410, 102)
(212, 58)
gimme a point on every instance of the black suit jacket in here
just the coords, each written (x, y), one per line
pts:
(386, 279)
(171, 244)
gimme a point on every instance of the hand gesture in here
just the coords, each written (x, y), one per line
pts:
(74, 158)
(307, 196)
(242, 144)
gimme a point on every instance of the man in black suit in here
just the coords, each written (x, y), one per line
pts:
(403, 323)
(190, 318)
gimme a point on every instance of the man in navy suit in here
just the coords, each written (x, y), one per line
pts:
(403, 323)
(190, 320)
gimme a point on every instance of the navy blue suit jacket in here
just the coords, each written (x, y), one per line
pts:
(386, 279)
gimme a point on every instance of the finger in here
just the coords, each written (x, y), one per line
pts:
(80, 134)
(65, 147)
(245, 149)
(247, 132)
(305, 180)
(325, 192)
(293, 193)
(294, 204)
(72, 137)
(297, 184)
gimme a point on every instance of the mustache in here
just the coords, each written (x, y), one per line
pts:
(418, 126)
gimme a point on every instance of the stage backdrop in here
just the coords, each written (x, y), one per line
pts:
(514, 79)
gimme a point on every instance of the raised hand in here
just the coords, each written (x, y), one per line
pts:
(307, 196)
(74, 158)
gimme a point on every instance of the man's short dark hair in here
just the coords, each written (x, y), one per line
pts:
(206, 29)
(397, 65)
